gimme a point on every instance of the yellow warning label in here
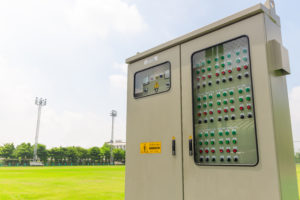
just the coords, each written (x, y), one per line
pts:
(150, 147)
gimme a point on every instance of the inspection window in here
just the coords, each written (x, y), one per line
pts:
(153, 80)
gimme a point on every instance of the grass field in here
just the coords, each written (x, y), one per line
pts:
(58, 183)
(65, 183)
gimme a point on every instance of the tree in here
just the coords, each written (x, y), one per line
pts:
(94, 153)
(7, 150)
(24, 151)
(42, 152)
(119, 154)
(56, 154)
(105, 149)
(72, 154)
(82, 154)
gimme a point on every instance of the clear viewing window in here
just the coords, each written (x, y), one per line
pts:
(153, 80)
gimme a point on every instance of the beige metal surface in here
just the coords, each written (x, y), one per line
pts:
(159, 117)
(154, 118)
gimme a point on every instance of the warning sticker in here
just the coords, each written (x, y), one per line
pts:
(150, 147)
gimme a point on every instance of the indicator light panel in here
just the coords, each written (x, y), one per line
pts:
(226, 135)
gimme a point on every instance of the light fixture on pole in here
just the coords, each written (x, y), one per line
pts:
(113, 114)
(40, 102)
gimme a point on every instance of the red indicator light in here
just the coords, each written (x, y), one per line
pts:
(217, 74)
(221, 150)
(203, 77)
(249, 107)
(238, 69)
(213, 151)
(232, 109)
(209, 76)
(211, 112)
(234, 150)
(219, 111)
(246, 67)
(198, 79)
(228, 150)
(225, 110)
(201, 151)
(206, 151)
(241, 108)
(223, 72)
(205, 113)
(199, 114)
(230, 71)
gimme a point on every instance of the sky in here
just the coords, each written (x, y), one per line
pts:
(73, 53)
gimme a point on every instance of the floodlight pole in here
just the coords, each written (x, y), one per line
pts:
(39, 102)
(113, 114)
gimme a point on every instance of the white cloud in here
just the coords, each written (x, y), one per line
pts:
(118, 81)
(295, 114)
(103, 17)
(121, 66)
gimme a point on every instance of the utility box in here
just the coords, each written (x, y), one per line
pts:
(208, 114)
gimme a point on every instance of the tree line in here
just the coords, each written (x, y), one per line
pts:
(22, 154)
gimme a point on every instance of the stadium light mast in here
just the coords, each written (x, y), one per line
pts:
(40, 102)
(113, 114)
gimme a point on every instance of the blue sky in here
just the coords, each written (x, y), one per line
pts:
(72, 52)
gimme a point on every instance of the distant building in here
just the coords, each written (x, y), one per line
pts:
(118, 144)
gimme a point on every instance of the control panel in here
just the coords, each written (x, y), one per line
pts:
(223, 105)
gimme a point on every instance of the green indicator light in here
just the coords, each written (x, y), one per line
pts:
(210, 104)
(237, 53)
(229, 55)
(203, 70)
(200, 143)
(224, 94)
(219, 103)
(218, 95)
(231, 101)
(197, 65)
(205, 105)
(208, 61)
(199, 98)
(222, 57)
(223, 64)
(221, 142)
(245, 59)
(212, 134)
(225, 102)
(231, 92)
(228, 63)
(210, 96)
(240, 91)
(206, 134)
(203, 63)
(209, 69)
(198, 72)
(199, 106)
(234, 141)
(247, 89)
(220, 133)
(241, 99)
(212, 142)
(238, 60)
(206, 142)
(217, 66)
(216, 59)
(245, 51)
(200, 135)
(248, 98)
(233, 132)
(204, 97)
(227, 141)
(227, 132)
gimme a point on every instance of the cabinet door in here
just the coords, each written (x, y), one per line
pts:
(153, 170)
(225, 76)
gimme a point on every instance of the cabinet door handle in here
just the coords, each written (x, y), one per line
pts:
(173, 146)
(190, 146)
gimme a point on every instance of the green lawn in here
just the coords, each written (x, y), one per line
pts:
(58, 183)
